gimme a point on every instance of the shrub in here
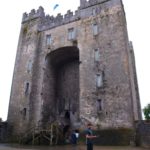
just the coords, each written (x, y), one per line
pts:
(146, 111)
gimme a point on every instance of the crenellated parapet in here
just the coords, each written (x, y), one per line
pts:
(51, 21)
(48, 21)
(85, 10)
(33, 14)
(87, 3)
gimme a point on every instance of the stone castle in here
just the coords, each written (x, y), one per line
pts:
(75, 69)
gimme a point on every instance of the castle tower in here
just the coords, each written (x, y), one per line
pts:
(75, 69)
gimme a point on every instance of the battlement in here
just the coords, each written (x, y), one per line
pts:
(51, 21)
(87, 3)
(85, 10)
(33, 14)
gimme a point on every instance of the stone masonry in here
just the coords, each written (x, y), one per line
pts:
(75, 69)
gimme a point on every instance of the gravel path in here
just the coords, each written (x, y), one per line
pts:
(69, 147)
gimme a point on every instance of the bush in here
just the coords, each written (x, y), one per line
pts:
(146, 111)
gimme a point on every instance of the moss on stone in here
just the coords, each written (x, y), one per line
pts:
(25, 29)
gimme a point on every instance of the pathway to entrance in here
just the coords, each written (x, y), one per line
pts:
(68, 147)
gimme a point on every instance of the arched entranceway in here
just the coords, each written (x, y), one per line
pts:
(61, 86)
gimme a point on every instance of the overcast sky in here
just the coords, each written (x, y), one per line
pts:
(137, 15)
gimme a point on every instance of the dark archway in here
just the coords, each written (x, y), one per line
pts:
(61, 86)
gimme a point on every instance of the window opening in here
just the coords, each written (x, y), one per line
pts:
(99, 105)
(48, 40)
(97, 55)
(94, 11)
(71, 34)
(24, 113)
(95, 29)
(27, 88)
(29, 67)
(99, 80)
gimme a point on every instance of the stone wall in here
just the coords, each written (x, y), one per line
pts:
(21, 105)
(143, 133)
(103, 76)
(3, 132)
(86, 9)
(111, 137)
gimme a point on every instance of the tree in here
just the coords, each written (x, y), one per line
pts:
(146, 111)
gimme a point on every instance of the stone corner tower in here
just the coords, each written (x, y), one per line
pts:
(75, 69)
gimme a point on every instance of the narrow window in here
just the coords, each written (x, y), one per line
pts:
(24, 112)
(99, 80)
(94, 11)
(26, 88)
(99, 105)
(29, 67)
(48, 40)
(71, 34)
(67, 114)
(95, 29)
(97, 55)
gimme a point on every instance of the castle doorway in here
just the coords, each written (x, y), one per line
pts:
(61, 86)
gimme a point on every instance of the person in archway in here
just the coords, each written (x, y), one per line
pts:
(89, 137)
